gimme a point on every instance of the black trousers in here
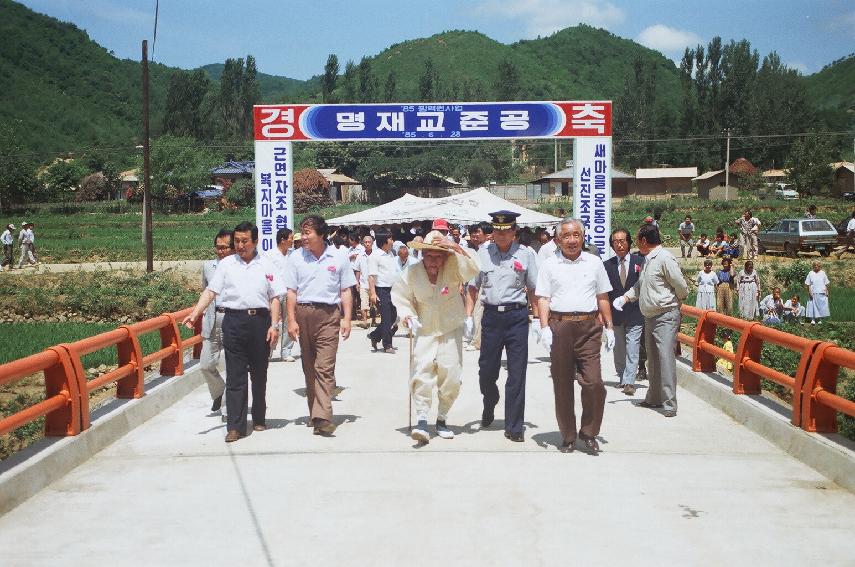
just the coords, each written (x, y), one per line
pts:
(7, 254)
(506, 331)
(245, 343)
(388, 315)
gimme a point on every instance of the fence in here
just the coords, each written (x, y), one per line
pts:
(813, 387)
(66, 404)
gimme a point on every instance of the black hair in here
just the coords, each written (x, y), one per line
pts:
(247, 226)
(224, 232)
(382, 236)
(283, 234)
(353, 237)
(623, 230)
(650, 233)
(486, 227)
(317, 224)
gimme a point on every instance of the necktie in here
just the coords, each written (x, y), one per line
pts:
(622, 273)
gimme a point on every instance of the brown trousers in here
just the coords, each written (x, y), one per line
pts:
(724, 299)
(576, 345)
(319, 330)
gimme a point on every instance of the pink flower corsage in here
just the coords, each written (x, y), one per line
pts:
(444, 291)
(637, 268)
(517, 266)
(331, 268)
(269, 277)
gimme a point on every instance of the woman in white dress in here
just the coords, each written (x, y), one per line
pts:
(748, 284)
(706, 280)
(816, 283)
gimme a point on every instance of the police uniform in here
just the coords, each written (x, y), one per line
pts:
(503, 280)
(244, 291)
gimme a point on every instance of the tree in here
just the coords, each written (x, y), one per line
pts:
(249, 95)
(179, 165)
(368, 88)
(350, 86)
(808, 165)
(391, 85)
(330, 78)
(238, 93)
(427, 82)
(507, 86)
(17, 172)
(241, 193)
(185, 93)
(62, 178)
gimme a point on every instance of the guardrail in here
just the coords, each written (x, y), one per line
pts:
(814, 385)
(66, 404)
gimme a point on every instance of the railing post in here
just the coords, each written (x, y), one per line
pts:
(79, 375)
(822, 375)
(60, 379)
(801, 379)
(705, 331)
(745, 381)
(170, 336)
(130, 352)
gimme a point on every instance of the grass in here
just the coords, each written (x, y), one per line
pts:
(102, 235)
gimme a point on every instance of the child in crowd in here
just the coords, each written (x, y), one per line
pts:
(722, 365)
(794, 310)
(772, 308)
(706, 280)
(703, 245)
(724, 289)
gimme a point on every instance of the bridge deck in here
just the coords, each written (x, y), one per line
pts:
(697, 489)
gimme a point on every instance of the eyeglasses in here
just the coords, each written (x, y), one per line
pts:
(617, 240)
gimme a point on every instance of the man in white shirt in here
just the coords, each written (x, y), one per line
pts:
(318, 279)
(8, 241)
(572, 291)
(279, 256)
(361, 273)
(27, 241)
(212, 325)
(850, 236)
(382, 273)
(548, 249)
(247, 287)
(685, 230)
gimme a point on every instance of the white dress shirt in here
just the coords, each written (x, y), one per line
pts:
(246, 285)
(382, 265)
(318, 280)
(546, 251)
(572, 285)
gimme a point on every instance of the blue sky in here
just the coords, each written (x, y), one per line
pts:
(294, 37)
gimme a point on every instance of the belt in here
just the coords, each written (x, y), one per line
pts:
(573, 315)
(256, 311)
(317, 304)
(505, 307)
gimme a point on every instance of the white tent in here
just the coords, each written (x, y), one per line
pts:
(470, 207)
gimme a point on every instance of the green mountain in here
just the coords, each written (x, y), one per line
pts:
(834, 85)
(271, 87)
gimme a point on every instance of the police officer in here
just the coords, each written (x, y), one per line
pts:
(247, 287)
(505, 286)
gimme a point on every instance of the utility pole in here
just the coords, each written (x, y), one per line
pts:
(727, 168)
(555, 164)
(149, 252)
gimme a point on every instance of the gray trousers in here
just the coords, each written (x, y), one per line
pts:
(26, 254)
(627, 346)
(212, 349)
(286, 343)
(660, 338)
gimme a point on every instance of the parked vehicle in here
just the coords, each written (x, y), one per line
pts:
(792, 236)
(786, 194)
(848, 196)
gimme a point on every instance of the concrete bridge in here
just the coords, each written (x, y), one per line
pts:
(156, 484)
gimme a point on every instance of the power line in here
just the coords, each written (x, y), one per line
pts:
(154, 40)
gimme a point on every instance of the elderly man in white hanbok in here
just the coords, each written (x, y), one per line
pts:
(427, 296)
(816, 283)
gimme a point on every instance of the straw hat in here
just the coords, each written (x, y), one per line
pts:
(429, 237)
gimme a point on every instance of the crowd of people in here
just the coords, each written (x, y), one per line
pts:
(26, 243)
(491, 285)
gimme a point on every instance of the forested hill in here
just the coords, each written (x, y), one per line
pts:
(834, 86)
(271, 87)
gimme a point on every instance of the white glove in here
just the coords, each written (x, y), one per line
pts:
(469, 328)
(546, 338)
(610, 338)
(414, 324)
(619, 302)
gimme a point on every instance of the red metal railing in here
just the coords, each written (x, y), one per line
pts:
(814, 385)
(66, 403)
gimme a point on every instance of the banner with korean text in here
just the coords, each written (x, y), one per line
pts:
(592, 189)
(276, 126)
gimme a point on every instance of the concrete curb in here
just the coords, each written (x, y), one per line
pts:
(831, 455)
(24, 474)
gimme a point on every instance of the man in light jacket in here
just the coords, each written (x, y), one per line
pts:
(428, 301)
(660, 290)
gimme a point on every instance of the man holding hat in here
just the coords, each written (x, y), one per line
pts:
(27, 240)
(426, 296)
(7, 240)
(505, 286)
(441, 225)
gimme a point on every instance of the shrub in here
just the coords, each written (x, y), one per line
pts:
(241, 193)
(792, 275)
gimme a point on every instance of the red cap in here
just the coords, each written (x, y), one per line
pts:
(440, 224)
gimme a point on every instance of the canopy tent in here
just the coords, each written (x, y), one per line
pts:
(470, 207)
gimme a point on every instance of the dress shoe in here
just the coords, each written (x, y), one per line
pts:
(487, 417)
(389, 350)
(259, 427)
(337, 390)
(591, 445)
(515, 437)
(218, 401)
(670, 413)
(232, 436)
(567, 447)
(324, 427)
(629, 390)
(648, 405)
(373, 342)
(642, 375)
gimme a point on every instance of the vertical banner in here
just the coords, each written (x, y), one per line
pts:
(274, 179)
(592, 189)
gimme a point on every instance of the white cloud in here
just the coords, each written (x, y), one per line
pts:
(544, 17)
(668, 40)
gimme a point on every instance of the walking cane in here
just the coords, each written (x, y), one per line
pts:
(410, 377)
